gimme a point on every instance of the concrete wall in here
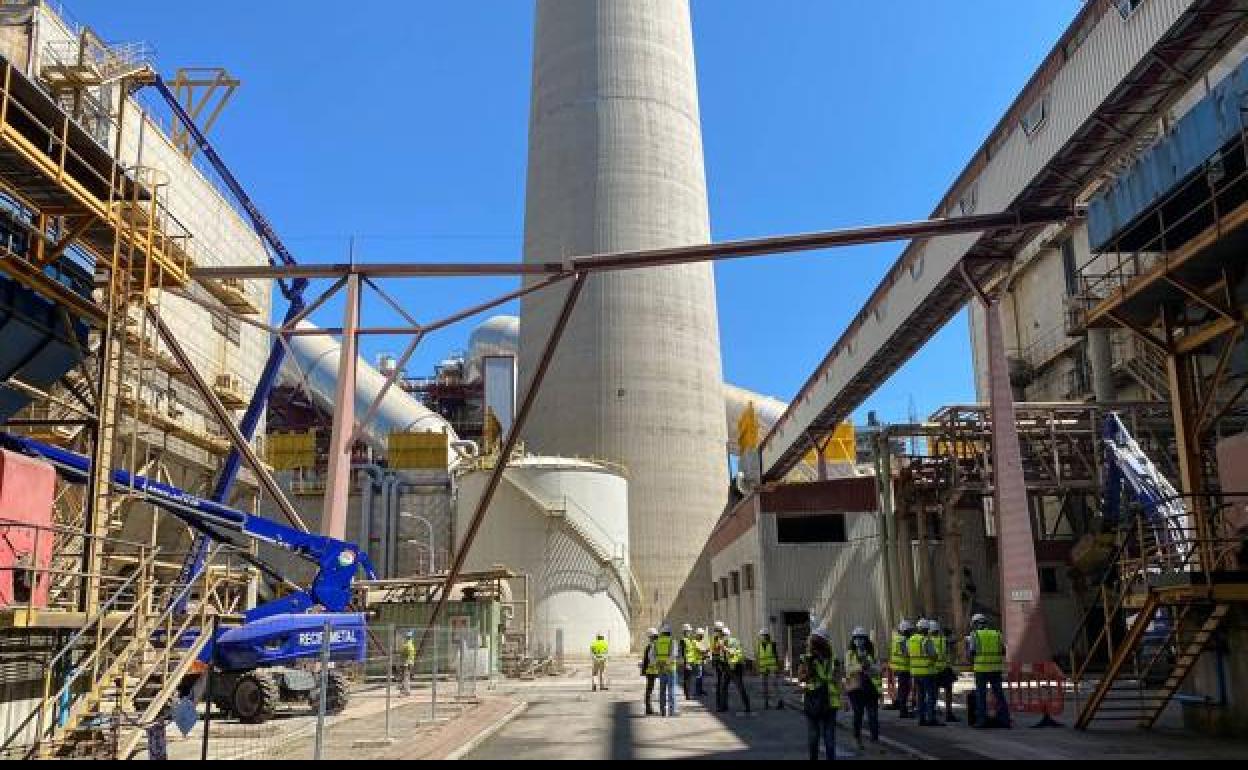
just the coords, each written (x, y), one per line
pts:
(615, 163)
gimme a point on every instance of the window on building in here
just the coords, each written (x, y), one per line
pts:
(969, 200)
(1048, 580)
(1070, 268)
(747, 576)
(723, 588)
(715, 590)
(822, 528)
(1035, 117)
(1127, 7)
(736, 583)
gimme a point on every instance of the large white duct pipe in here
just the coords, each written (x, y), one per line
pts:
(500, 335)
(313, 365)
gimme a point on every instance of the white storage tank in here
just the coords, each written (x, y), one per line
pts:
(564, 523)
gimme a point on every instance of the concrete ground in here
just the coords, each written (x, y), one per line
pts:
(565, 720)
(360, 732)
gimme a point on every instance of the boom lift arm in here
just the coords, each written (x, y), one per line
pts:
(337, 561)
(1128, 469)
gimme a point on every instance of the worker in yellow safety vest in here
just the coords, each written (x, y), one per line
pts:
(899, 662)
(922, 657)
(734, 670)
(650, 667)
(863, 684)
(986, 648)
(821, 692)
(768, 666)
(408, 670)
(693, 652)
(598, 651)
(942, 640)
(667, 659)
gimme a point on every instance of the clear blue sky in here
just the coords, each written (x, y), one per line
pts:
(404, 124)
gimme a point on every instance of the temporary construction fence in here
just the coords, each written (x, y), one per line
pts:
(1036, 688)
(395, 690)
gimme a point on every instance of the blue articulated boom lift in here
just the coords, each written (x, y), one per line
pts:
(1127, 469)
(251, 662)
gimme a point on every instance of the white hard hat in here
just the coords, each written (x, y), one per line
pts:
(823, 633)
(764, 632)
(701, 632)
(652, 632)
(933, 626)
(979, 617)
(666, 628)
(859, 631)
(921, 625)
(905, 625)
(688, 627)
(719, 624)
(727, 631)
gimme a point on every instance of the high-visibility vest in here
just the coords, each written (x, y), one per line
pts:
(921, 663)
(822, 672)
(732, 649)
(693, 652)
(409, 652)
(898, 657)
(989, 651)
(663, 647)
(598, 648)
(941, 645)
(765, 656)
(855, 665)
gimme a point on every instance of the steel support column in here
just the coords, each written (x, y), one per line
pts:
(337, 489)
(1024, 623)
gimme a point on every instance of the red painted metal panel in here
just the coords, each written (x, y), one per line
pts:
(27, 490)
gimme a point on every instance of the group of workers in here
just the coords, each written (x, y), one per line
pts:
(921, 656)
(923, 659)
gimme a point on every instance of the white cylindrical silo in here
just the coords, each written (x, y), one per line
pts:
(615, 163)
(564, 523)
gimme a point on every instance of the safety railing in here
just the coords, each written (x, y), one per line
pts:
(1149, 245)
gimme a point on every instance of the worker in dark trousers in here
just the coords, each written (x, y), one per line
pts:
(986, 648)
(922, 655)
(717, 655)
(947, 652)
(899, 661)
(650, 668)
(862, 682)
(821, 693)
(734, 671)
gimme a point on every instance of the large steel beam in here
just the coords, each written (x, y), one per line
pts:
(227, 421)
(630, 260)
(504, 455)
(342, 431)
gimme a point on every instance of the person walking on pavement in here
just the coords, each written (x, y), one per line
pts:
(667, 658)
(408, 667)
(821, 693)
(922, 656)
(899, 661)
(986, 648)
(863, 682)
(650, 668)
(694, 657)
(945, 675)
(768, 667)
(685, 672)
(598, 650)
(734, 671)
(717, 654)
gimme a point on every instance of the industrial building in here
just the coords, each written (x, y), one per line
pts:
(187, 454)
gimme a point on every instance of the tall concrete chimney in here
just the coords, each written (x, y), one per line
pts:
(615, 163)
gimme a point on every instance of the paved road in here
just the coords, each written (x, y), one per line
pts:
(567, 721)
